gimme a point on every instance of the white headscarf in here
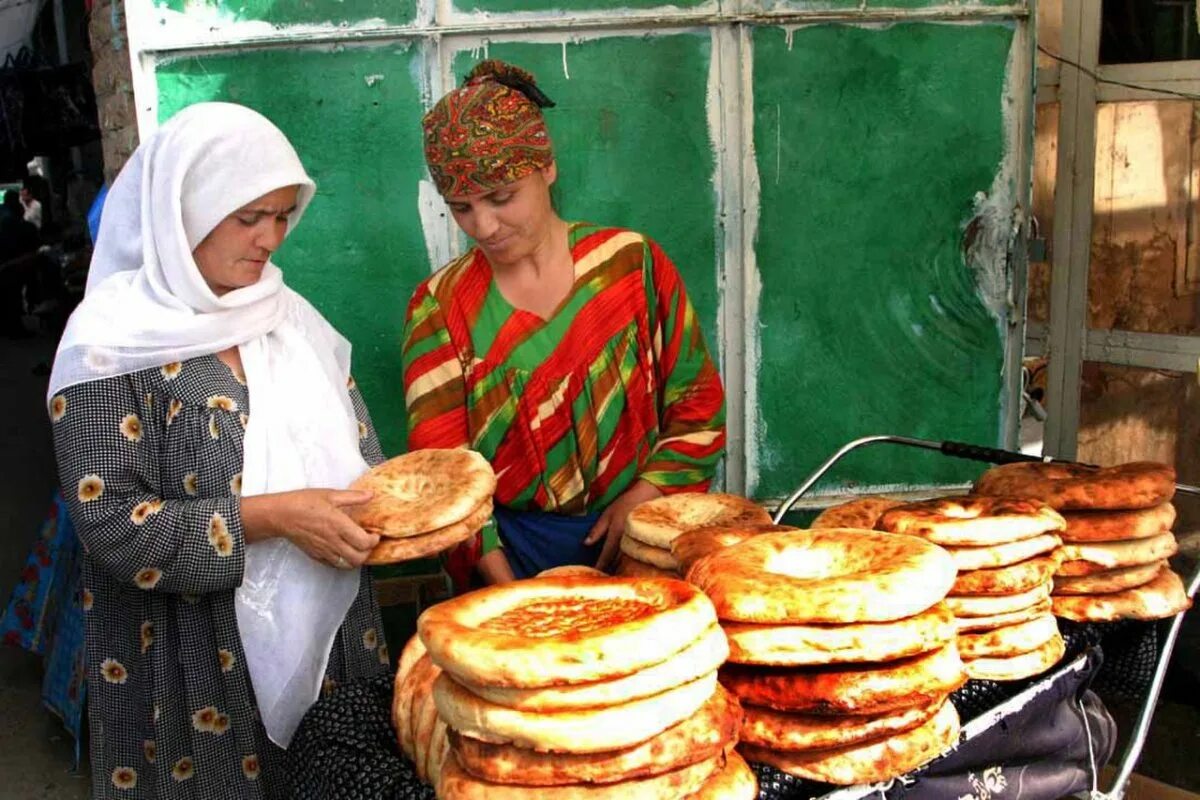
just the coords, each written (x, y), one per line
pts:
(147, 305)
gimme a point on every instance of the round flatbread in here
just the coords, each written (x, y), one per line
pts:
(690, 547)
(972, 521)
(698, 658)
(413, 649)
(1009, 640)
(458, 784)
(1019, 577)
(989, 605)
(868, 762)
(416, 686)
(570, 569)
(632, 568)
(1110, 555)
(1108, 581)
(439, 747)
(1002, 555)
(862, 513)
(550, 631)
(780, 730)
(1018, 667)
(704, 735)
(657, 522)
(592, 730)
(1162, 597)
(394, 551)
(1074, 487)
(972, 624)
(735, 781)
(814, 645)
(831, 575)
(423, 491)
(1112, 526)
(867, 689)
(401, 696)
(425, 719)
(655, 556)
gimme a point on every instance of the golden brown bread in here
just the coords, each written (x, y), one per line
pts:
(1162, 597)
(1009, 640)
(735, 781)
(1002, 555)
(690, 547)
(989, 605)
(1109, 580)
(422, 491)
(972, 521)
(648, 554)
(848, 689)
(830, 575)
(702, 736)
(394, 551)
(1088, 558)
(781, 730)
(862, 512)
(632, 568)
(972, 624)
(1019, 577)
(657, 522)
(1018, 667)
(1111, 526)
(1074, 487)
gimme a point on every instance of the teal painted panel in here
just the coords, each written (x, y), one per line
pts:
(354, 117)
(296, 12)
(871, 144)
(632, 145)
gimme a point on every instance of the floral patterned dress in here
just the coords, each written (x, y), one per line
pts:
(150, 465)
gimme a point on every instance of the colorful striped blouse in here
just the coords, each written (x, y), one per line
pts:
(616, 385)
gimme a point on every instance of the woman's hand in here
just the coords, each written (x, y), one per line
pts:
(611, 524)
(314, 520)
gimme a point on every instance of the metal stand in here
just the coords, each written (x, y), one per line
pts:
(1141, 729)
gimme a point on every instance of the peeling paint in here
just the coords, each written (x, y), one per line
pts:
(432, 211)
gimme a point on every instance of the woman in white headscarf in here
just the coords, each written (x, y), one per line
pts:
(206, 426)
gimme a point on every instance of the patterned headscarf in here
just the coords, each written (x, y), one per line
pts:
(488, 132)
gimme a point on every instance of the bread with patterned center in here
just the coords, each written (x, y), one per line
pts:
(395, 551)
(1162, 597)
(422, 491)
(589, 730)
(862, 512)
(848, 688)
(704, 735)
(780, 730)
(972, 521)
(1074, 487)
(868, 762)
(1110, 580)
(552, 631)
(811, 645)
(657, 522)
(1019, 577)
(1018, 667)
(1112, 526)
(834, 575)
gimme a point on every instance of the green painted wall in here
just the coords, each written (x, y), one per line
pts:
(871, 144)
(292, 12)
(633, 144)
(359, 250)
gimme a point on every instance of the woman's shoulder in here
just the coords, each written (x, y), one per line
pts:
(441, 285)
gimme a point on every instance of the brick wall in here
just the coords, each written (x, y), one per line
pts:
(114, 85)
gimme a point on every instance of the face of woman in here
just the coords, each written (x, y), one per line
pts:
(508, 223)
(234, 254)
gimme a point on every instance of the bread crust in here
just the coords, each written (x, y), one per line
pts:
(972, 521)
(691, 546)
(422, 491)
(849, 689)
(1018, 667)
(832, 575)
(552, 631)
(1002, 555)
(628, 567)
(1108, 581)
(780, 730)
(1099, 556)
(814, 645)
(862, 512)
(1019, 577)
(868, 762)
(648, 554)
(989, 605)
(1073, 487)
(394, 551)
(704, 735)
(1113, 526)
(972, 624)
(657, 522)
(1162, 597)
(736, 781)
(1008, 640)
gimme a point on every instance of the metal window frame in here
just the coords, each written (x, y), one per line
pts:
(1067, 339)
(440, 31)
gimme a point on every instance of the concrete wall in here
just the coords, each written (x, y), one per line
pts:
(114, 87)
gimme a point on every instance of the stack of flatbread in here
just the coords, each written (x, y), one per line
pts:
(1004, 551)
(861, 512)
(652, 526)
(841, 650)
(1116, 541)
(589, 688)
(425, 502)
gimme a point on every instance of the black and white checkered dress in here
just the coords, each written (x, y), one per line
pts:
(150, 464)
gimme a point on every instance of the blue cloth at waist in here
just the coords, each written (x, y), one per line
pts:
(538, 540)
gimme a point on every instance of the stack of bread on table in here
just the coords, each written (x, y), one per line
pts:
(651, 527)
(842, 651)
(1116, 538)
(572, 686)
(1003, 549)
(424, 502)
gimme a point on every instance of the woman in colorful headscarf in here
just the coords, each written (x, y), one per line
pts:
(567, 353)
(206, 427)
